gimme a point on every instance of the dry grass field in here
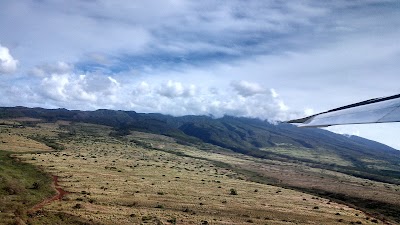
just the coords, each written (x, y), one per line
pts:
(150, 179)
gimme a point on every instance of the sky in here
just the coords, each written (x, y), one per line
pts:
(268, 59)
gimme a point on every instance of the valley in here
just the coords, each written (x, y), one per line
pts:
(147, 178)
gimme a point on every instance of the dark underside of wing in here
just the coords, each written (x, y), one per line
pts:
(377, 110)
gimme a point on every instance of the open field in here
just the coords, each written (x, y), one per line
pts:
(150, 179)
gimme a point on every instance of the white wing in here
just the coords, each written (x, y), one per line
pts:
(377, 110)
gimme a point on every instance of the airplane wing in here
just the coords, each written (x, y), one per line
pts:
(377, 110)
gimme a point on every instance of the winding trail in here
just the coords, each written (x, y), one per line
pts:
(60, 194)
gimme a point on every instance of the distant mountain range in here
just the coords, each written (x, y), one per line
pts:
(353, 155)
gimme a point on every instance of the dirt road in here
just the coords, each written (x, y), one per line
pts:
(59, 195)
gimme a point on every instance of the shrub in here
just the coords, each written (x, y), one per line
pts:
(145, 218)
(172, 220)
(77, 206)
(13, 187)
(233, 192)
(35, 186)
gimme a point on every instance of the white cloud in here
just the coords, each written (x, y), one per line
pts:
(93, 91)
(177, 98)
(57, 68)
(274, 93)
(173, 89)
(75, 90)
(7, 63)
(245, 88)
(142, 88)
(54, 86)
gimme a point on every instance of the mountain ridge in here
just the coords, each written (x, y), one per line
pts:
(249, 136)
(347, 169)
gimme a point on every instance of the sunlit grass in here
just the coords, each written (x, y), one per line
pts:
(147, 178)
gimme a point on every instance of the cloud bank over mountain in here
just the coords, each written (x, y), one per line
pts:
(90, 91)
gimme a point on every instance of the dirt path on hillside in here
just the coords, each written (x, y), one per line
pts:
(60, 194)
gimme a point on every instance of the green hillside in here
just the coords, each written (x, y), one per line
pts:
(319, 148)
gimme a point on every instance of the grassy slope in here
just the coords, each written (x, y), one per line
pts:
(21, 186)
(150, 178)
(357, 192)
(85, 136)
(362, 158)
(319, 148)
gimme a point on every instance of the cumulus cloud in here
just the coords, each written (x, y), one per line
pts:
(142, 88)
(7, 63)
(57, 68)
(173, 89)
(92, 91)
(178, 98)
(79, 89)
(246, 89)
